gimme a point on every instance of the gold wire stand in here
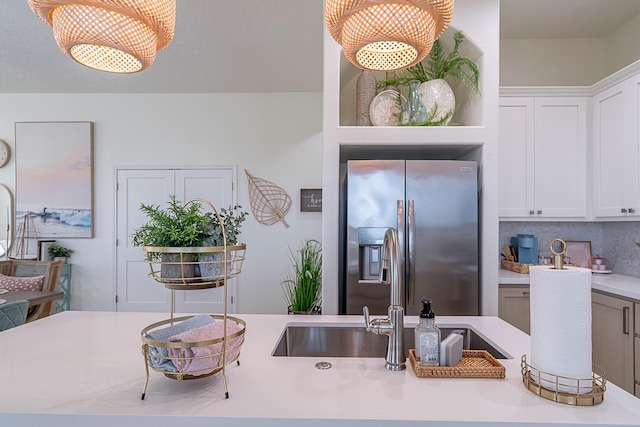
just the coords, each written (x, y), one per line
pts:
(226, 263)
(549, 385)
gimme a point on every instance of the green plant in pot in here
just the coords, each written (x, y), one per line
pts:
(232, 219)
(176, 226)
(59, 252)
(303, 286)
(434, 91)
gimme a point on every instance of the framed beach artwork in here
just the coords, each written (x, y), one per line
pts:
(54, 178)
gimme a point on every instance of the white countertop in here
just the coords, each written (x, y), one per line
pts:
(86, 369)
(617, 284)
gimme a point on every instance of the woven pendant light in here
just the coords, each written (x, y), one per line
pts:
(387, 35)
(119, 36)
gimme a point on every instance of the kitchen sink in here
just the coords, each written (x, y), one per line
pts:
(340, 340)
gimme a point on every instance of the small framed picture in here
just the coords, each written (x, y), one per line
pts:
(43, 249)
(579, 252)
(311, 200)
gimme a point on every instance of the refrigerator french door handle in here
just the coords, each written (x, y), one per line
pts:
(410, 253)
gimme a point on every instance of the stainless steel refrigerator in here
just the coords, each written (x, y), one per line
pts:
(433, 205)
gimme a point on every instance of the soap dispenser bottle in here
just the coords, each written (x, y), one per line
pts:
(427, 337)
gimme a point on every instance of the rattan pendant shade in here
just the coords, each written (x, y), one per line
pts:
(387, 35)
(119, 36)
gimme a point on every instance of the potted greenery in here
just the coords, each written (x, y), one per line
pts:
(303, 287)
(59, 253)
(177, 227)
(434, 91)
(232, 220)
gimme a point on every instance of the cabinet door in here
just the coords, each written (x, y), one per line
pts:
(637, 348)
(612, 339)
(513, 306)
(515, 144)
(560, 157)
(615, 151)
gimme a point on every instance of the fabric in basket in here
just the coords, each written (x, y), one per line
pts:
(201, 360)
(161, 361)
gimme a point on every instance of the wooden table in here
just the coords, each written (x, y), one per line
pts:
(34, 297)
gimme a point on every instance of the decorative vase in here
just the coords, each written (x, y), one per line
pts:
(173, 268)
(438, 94)
(413, 112)
(313, 311)
(366, 90)
(211, 265)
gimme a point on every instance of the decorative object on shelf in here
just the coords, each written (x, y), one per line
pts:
(386, 108)
(311, 200)
(438, 98)
(43, 250)
(65, 200)
(413, 112)
(60, 253)
(118, 36)
(435, 92)
(26, 238)
(269, 203)
(366, 90)
(5, 153)
(303, 287)
(378, 35)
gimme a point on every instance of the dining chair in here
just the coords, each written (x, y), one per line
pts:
(13, 314)
(26, 268)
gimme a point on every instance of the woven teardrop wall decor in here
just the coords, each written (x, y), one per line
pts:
(269, 203)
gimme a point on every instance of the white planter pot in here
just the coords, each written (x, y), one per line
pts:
(437, 93)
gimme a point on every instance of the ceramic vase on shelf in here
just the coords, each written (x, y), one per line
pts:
(413, 111)
(366, 90)
(438, 94)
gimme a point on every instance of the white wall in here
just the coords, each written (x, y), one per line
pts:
(568, 62)
(277, 137)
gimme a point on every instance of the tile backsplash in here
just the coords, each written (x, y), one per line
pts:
(611, 240)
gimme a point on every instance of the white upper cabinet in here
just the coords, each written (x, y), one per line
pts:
(543, 158)
(616, 190)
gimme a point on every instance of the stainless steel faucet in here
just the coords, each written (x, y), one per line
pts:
(392, 325)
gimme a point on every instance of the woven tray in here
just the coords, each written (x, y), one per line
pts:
(474, 364)
(515, 266)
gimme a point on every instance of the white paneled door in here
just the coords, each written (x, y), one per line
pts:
(135, 291)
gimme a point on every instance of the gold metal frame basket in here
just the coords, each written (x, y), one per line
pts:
(218, 359)
(226, 266)
(549, 386)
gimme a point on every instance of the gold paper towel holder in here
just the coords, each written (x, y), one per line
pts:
(558, 257)
(548, 385)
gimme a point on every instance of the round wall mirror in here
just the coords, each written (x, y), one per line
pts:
(6, 220)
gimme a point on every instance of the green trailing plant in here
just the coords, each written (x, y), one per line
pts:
(440, 65)
(56, 250)
(232, 220)
(303, 287)
(176, 226)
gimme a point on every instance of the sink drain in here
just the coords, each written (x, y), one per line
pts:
(323, 365)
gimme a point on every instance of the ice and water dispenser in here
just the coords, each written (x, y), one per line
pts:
(370, 240)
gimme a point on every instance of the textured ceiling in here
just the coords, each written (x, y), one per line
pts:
(250, 45)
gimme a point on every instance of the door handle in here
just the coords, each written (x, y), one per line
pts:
(411, 252)
(625, 320)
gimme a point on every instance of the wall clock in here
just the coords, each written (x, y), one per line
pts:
(5, 153)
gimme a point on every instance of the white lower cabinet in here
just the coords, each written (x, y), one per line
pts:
(543, 157)
(613, 338)
(513, 306)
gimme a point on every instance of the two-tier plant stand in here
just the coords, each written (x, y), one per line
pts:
(173, 268)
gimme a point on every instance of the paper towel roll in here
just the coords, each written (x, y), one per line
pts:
(561, 326)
